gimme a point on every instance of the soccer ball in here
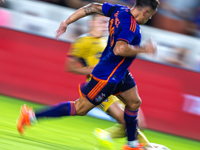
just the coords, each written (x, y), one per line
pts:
(155, 146)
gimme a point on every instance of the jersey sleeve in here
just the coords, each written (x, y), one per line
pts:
(128, 32)
(78, 48)
(108, 9)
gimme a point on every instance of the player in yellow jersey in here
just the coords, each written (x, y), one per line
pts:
(84, 54)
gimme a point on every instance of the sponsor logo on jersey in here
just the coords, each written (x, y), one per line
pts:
(100, 98)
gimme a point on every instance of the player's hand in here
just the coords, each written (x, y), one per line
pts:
(150, 47)
(2, 1)
(62, 28)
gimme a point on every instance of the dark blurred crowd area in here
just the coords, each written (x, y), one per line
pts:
(180, 16)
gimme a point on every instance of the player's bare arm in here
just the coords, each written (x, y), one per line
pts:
(2, 1)
(124, 49)
(80, 13)
(73, 65)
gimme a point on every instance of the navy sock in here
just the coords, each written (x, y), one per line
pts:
(59, 110)
(131, 124)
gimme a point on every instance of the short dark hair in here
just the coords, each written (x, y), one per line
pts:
(151, 3)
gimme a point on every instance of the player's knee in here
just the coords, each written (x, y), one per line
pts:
(135, 104)
(82, 106)
(81, 111)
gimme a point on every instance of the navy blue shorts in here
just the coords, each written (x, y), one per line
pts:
(96, 90)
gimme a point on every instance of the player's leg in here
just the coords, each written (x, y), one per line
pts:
(114, 107)
(79, 107)
(117, 131)
(70, 108)
(142, 138)
(127, 93)
(104, 138)
(91, 96)
(133, 102)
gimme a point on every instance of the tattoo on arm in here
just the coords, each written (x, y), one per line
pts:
(88, 9)
(69, 19)
(93, 8)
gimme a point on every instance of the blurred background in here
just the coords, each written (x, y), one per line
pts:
(32, 61)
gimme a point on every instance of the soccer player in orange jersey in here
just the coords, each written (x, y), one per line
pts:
(84, 54)
(111, 75)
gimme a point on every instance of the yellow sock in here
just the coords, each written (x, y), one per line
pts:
(141, 137)
(116, 131)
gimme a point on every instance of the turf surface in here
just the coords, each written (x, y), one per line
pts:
(68, 133)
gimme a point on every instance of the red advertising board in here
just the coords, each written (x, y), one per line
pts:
(32, 68)
(171, 98)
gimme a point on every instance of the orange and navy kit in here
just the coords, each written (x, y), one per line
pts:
(111, 75)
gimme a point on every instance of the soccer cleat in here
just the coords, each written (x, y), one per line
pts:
(104, 140)
(126, 147)
(24, 118)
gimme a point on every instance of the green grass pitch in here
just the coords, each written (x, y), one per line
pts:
(67, 133)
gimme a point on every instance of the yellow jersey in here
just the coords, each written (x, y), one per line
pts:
(88, 49)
